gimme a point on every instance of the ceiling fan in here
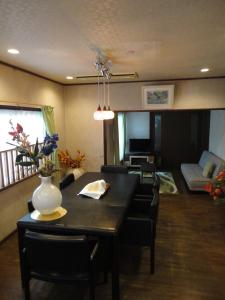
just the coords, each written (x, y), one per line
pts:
(103, 65)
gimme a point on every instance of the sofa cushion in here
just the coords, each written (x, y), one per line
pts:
(208, 156)
(208, 169)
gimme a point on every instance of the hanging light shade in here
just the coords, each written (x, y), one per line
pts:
(109, 114)
(98, 114)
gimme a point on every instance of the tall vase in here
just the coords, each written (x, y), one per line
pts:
(77, 172)
(47, 197)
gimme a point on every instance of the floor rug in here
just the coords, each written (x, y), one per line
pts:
(167, 183)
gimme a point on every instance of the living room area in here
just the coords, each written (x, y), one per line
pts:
(173, 141)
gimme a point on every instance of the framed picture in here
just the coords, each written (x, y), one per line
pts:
(157, 97)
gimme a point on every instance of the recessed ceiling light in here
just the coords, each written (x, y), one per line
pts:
(203, 70)
(69, 77)
(13, 51)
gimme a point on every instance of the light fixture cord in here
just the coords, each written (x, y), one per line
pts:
(108, 94)
(104, 91)
(98, 90)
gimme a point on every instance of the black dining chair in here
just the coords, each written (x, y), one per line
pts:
(148, 168)
(59, 258)
(114, 169)
(67, 180)
(145, 190)
(140, 225)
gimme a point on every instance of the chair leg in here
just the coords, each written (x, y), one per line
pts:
(152, 249)
(27, 290)
(152, 257)
(105, 277)
(92, 286)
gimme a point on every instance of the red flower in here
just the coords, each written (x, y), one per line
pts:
(19, 128)
(13, 133)
(208, 187)
(218, 192)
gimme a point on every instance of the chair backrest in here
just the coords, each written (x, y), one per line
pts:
(156, 182)
(154, 207)
(55, 254)
(114, 169)
(67, 180)
(148, 167)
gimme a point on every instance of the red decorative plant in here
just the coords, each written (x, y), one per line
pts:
(217, 188)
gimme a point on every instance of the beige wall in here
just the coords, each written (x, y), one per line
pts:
(19, 87)
(82, 131)
(80, 102)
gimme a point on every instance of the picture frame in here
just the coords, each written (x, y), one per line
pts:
(157, 97)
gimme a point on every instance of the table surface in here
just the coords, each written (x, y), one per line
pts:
(90, 216)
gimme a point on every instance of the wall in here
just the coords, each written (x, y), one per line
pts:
(20, 87)
(84, 133)
(217, 133)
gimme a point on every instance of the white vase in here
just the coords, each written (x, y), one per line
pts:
(47, 197)
(77, 172)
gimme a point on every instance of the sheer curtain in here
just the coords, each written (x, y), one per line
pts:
(32, 122)
(122, 135)
(48, 116)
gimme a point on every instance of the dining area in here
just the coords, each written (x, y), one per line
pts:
(84, 244)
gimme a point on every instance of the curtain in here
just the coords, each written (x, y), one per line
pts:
(116, 140)
(48, 116)
(122, 135)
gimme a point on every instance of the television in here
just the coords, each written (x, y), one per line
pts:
(140, 145)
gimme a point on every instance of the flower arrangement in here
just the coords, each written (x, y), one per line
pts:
(31, 155)
(217, 188)
(68, 162)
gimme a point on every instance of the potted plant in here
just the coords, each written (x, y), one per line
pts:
(72, 165)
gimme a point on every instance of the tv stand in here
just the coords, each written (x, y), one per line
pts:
(135, 160)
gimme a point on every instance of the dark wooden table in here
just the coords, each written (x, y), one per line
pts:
(102, 217)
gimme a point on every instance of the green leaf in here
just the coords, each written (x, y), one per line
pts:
(25, 163)
(36, 162)
(36, 148)
(19, 157)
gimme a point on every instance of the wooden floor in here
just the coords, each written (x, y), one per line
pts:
(190, 259)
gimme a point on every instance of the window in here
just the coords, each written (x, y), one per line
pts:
(33, 124)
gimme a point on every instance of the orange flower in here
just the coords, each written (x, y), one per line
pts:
(68, 162)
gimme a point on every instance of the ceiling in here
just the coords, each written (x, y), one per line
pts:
(158, 39)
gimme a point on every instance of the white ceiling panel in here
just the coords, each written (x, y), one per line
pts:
(158, 39)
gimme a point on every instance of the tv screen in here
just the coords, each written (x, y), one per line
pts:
(140, 145)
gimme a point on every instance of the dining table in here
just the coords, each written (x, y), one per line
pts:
(93, 217)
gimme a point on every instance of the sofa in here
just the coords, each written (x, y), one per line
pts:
(196, 175)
